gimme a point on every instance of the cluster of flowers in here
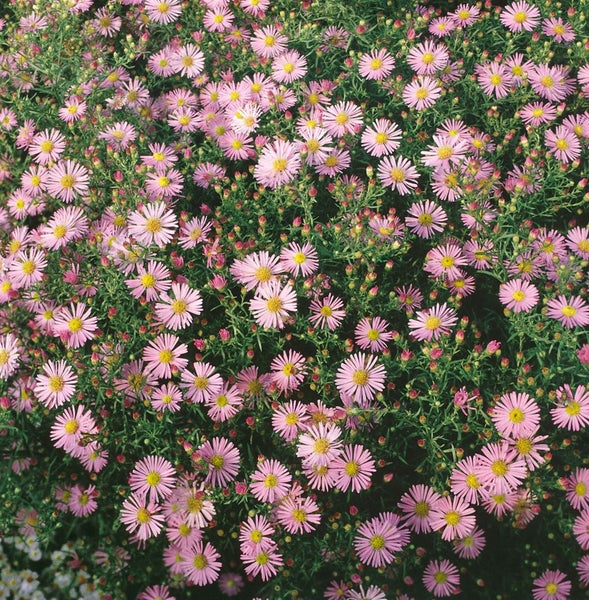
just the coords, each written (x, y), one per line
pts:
(224, 312)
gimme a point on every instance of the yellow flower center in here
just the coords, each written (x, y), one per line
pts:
(4, 356)
(568, 311)
(326, 311)
(352, 469)
(153, 225)
(221, 401)
(274, 304)
(71, 426)
(499, 468)
(375, 64)
(452, 518)
(518, 296)
(166, 356)
(427, 58)
(580, 489)
(520, 16)
(523, 446)
(201, 383)
(421, 509)
(217, 462)
(299, 515)
(152, 478)
(194, 505)
(279, 164)
(425, 219)
(432, 323)
(562, 144)
(447, 262)
(291, 419)
(56, 383)
(472, 481)
(516, 415)
(178, 307)
(547, 81)
(47, 146)
(321, 446)
(75, 325)
(381, 138)
(28, 267)
(444, 152)
(67, 182)
(360, 377)
(200, 561)
(551, 588)
(270, 480)
(440, 577)
(397, 174)
(59, 231)
(377, 542)
(421, 93)
(148, 280)
(496, 79)
(573, 408)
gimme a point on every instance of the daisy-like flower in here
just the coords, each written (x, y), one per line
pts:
(381, 138)
(27, 267)
(225, 404)
(431, 323)
(255, 534)
(154, 223)
(288, 371)
(189, 501)
(268, 42)
(256, 269)
(454, 517)
(520, 16)
(417, 504)
(372, 592)
(317, 144)
(563, 144)
(188, 60)
(319, 445)
(289, 67)
(500, 469)
(176, 311)
(445, 261)
(161, 157)
(66, 179)
(164, 184)
(71, 427)
(442, 26)
(373, 334)
(163, 11)
(10, 353)
(289, 419)
(82, 501)
(422, 93)
(298, 515)
(264, 563)
(223, 459)
(273, 303)
(471, 545)
(353, 469)
(360, 377)
(342, 118)
(166, 398)
(551, 585)
(152, 478)
(376, 65)
(581, 529)
(56, 385)
(583, 569)
(327, 312)
(398, 173)
(518, 295)
(529, 448)
(152, 279)
(299, 260)
(577, 241)
(218, 18)
(445, 151)
(67, 224)
(201, 564)
(156, 592)
(426, 218)
(270, 481)
(73, 109)
(194, 231)
(494, 78)
(570, 312)
(389, 227)
(427, 58)
(465, 15)
(75, 325)
(557, 29)
(119, 134)
(537, 113)
(378, 540)
(551, 82)
(516, 415)
(572, 409)
(164, 354)
(441, 578)
(464, 482)
(278, 164)
(577, 489)
(335, 161)
(201, 385)
(47, 146)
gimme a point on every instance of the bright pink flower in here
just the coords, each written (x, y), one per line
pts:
(381, 138)
(82, 501)
(577, 489)
(273, 303)
(464, 482)
(270, 481)
(398, 173)
(75, 325)
(264, 563)
(570, 312)
(47, 146)
(471, 545)
(428, 58)
(176, 311)
(441, 578)
(422, 93)
(327, 312)
(426, 218)
(516, 415)
(417, 504)
(342, 118)
(66, 179)
(454, 516)
(377, 64)
(56, 385)
(361, 377)
(163, 11)
(70, 427)
(518, 295)
(499, 468)
(319, 444)
(164, 354)
(299, 260)
(520, 16)
(378, 540)
(353, 469)
(551, 585)
(154, 223)
(572, 409)
(201, 385)
(201, 564)
(431, 323)
(563, 144)
(223, 458)
(298, 515)
(372, 333)
(288, 371)
(255, 534)
(289, 67)
(153, 477)
(289, 419)
(268, 42)
(278, 164)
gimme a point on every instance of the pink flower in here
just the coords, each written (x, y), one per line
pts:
(433, 322)
(47, 146)
(223, 459)
(551, 585)
(188, 60)
(256, 269)
(494, 78)
(377, 64)
(156, 592)
(176, 312)
(255, 535)
(378, 540)
(398, 173)
(454, 516)
(353, 469)
(520, 16)
(289, 67)
(201, 564)
(422, 93)
(268, 42)
(372, 334)
(82, 501)
(500, 469)
(273, 303)
(264, 563)
(298, 515)
(56, 385)
(153, 478)
(516, 415)
(164, 354)
(289, 419)
(471, 545)
(278, 164)
(320, 444)
(577, 489)
(201, 385)
(417, 504)
(327, 312)
(154, 223)
(66, 179)
(464, 482)
(441, 578)
(426, 218)
(360, 377)
(572, 409)
(299, 260)
(445, 262)
(270, 481)
(70, 427)
(518, 295)
(163, 11)
(75, 325)
(428, 58)
(288, 371)
(563, 143)
(10, 354)
(381, 138)
(571, 312)
(153, 279)
(342, 118)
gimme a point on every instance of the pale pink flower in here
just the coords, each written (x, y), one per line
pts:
(154, 223)
(75, 325)
(56, 385)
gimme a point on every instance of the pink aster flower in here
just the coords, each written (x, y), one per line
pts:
(273, 303)
(500, 469)
(422, 93)
(119, 135)
(426, 218)
(445, 151)
(334, 162)
(188, 60)
(66, 179)
(10, 355)
(164, 183)
(176, 311)
(201, 385)
(398, 173)
(154, 223)
(427, 58)
(342, 118)
(581, 529)
(441, 578)
(225, 404)
(572, 409)
(518, 295)
(320, 444)
(56, 385)
(520, 16)
(471, 545)
(82, 501)
(529, 447)
(152, 279)
(156, 592)
(577, 489)
(516, 415)
(190, 502)
(218, 18)
(47, 146)
(431, 323)
(153, 478)
(288, 371)
(551, 585)
(563, 144)
(317, 144)
(223, 459)
(256, 269)
(381, 138)
(255, 534)
(163, 11)
(167, 397)
(289, 67)
(299, 260)
(417, 504)
(270, 481)
(377, 64)
(537, 113)
(28, 267)
(494, 78)
(570, 312)
(298, 515)
(67, 224)
(278, 164)
(327, 312)
(264, 563)
(577, 241)
(268, 42)
(445, 261)
(464, 482)
(557, 29)
(360, 377)
(353, 469)
(453, 516)
(71, 427)
(75, 325)
(372, 334)
(201, 564)
(289, 419)
(378, 540)
(551, 82)
(164, 354)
